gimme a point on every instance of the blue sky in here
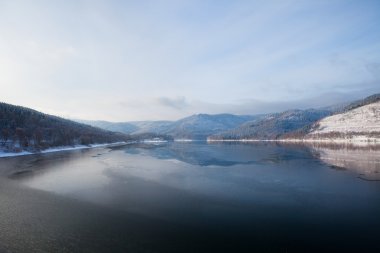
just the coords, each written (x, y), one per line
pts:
(139, 60)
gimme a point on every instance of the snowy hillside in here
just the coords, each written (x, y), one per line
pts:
(359, 123)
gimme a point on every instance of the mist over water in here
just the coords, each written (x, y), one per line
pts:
(200, 197)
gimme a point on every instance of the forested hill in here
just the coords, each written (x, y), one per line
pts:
(26, 129)
(273, 126)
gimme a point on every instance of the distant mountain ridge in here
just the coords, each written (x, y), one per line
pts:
(198, 126)
(360, 102)
(121, 127)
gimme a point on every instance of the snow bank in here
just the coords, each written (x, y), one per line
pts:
(183, 140)
(154, 141)
(62, 148)
(7, 154)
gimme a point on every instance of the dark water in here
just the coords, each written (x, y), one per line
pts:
(192, 197)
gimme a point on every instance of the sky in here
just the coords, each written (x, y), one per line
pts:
(164, 60)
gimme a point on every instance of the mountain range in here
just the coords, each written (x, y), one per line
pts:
(195, 127)
(283, 125)
(26, 129)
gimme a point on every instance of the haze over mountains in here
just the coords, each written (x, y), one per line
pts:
(195, 127)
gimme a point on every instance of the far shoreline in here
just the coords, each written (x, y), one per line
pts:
(353, 142)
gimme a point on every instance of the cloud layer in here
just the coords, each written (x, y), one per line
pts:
(121, 60)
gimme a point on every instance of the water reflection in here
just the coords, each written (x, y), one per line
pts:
(222, 154)
(171, 162)
(160, 179)
(363, 161)
(266, 191)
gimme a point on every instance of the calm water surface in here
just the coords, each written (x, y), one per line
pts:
(192, 197)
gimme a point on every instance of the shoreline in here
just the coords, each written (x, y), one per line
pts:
(351, 142)
(63, 148)
(355, 142)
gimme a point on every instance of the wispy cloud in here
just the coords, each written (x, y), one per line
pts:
(177, 103)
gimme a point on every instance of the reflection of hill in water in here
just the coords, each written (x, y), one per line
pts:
(363, 161)
(222, 154)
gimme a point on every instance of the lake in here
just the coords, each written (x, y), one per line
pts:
(192, 197)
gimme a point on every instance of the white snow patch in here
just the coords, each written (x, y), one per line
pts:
(62, 148)
(183, 140)
(8, 154)
(154, 141)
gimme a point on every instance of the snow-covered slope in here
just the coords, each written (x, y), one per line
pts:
(363, 119)
(358, 123)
